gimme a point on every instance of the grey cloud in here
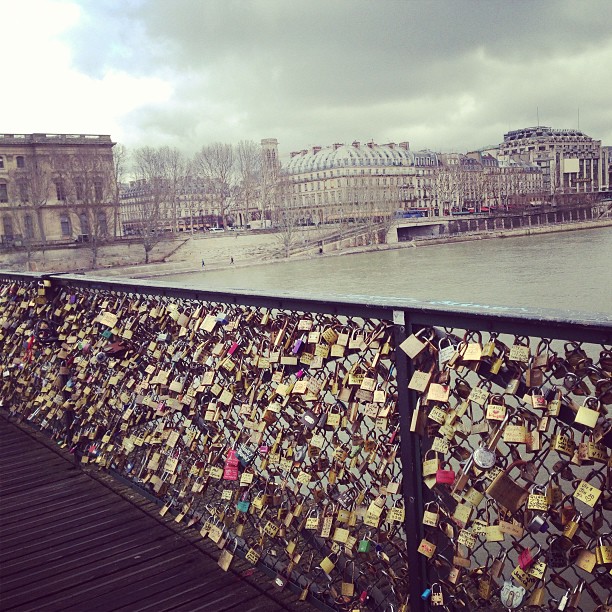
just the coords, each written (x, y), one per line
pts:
(458, 73)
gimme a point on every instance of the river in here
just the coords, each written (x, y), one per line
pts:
(566, 270)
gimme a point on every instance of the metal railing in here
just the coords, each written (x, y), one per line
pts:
(361, 450)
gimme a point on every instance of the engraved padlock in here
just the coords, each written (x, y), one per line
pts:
(511, 595)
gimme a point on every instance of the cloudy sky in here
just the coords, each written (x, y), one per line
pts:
(442, 74)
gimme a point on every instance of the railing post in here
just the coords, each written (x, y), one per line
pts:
(410, 453)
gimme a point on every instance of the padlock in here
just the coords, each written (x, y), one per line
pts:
(511, 595)
(497, 567)
(571, 527)
(437, 596)
(446, 350)
(445, 476)
(348, 586)
(538, 524)
(496, 408)
(230, 470)
(603, 550)
(563, 442)
(365, 544)
(556, 553)
(526, 557)
(536, 597)
(427, 548)
(583, 557)
(506, 491)
(484, 457)
(431, 518)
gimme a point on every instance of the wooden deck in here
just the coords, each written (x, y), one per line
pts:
(71, 540)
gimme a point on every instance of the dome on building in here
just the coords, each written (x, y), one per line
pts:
(348, 156)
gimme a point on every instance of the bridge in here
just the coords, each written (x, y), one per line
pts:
(363, 454)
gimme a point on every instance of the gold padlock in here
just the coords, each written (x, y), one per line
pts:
(506, 491)
(587, 415)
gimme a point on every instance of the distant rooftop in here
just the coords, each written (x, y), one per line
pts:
(41, 138)
(341, 155)
(542, 131)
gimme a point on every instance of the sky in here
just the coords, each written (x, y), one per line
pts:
(446, 75)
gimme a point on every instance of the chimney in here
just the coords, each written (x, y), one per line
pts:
(315, 150)
(391, 145)
(405, 145)
(356, 144)
(337, 145)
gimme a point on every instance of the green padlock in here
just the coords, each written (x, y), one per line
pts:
(364, 545)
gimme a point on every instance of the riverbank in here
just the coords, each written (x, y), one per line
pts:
(261, 249)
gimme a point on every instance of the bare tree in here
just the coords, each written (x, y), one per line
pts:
(18, 227)
(215, 166)
(249, 169)
(85, 184)
(288, 217)
(120, 161)
(147, 210)
(446, 187)
(34, 187)
(175, 171)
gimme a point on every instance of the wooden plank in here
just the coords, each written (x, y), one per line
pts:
(70, 542)
(49, 557)
(53, 509)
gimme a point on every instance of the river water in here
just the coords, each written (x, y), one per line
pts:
(565, 270)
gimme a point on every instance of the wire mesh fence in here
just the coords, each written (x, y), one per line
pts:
(372, 458)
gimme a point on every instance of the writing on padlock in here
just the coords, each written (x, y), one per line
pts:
(230, 470)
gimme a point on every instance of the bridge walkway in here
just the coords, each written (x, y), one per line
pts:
(72, 540)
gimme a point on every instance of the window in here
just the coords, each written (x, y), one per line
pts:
(1, 161)
(84, 221)
(28, 227)
(20, 161)
(59, 190)
(98, 190)
(22, 185)
(7, 223)
(79, 188)
(3, 193)
(66, 225)
(102, 224)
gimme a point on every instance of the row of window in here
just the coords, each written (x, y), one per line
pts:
(65, 225)
(19, 161)
(81, 190)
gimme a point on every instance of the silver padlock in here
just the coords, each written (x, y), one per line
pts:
(511, 595)
(538, 524)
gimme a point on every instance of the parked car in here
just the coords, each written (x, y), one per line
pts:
(216, 229)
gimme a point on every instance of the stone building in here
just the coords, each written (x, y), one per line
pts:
(56, 188)
(571, 161)
(360, 181)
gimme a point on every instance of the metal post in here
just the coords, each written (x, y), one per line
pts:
(411, 467)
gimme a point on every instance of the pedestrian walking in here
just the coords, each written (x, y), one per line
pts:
(232, 260)
(202, 263)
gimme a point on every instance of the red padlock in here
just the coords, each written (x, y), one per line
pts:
(445, 476)
(230, 470)
(525, 558)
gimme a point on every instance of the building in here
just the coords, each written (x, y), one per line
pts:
(606, 153)
(56, 188)
(359, 182)
(571, 161)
